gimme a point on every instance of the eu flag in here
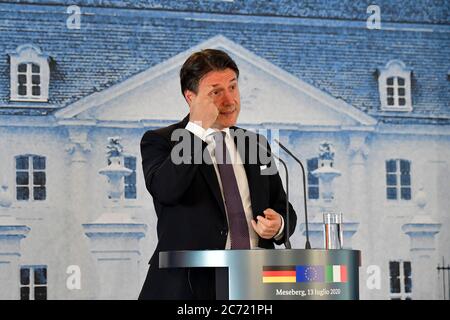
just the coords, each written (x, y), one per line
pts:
(310, 273)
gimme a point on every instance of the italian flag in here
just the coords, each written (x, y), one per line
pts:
(336, 273)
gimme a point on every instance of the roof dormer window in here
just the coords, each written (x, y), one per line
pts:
(394, 84)
(30, 73)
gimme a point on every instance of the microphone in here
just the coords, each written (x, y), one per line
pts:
(307, 244)
(287, 242)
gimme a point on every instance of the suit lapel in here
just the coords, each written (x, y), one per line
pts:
(207, 171)
(210, 176)
(253, 174)
(252, 171)
(254, 184)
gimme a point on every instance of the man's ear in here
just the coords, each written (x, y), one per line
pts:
(189, 96)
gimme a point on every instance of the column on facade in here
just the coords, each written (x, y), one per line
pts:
(358, 181)
(79, 210)
(11, 234)
(358, 200)
(422, 231)
(78, 149)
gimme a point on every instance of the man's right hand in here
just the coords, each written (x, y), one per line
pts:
(203, 110)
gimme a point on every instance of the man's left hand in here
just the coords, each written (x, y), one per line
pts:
(267, 227)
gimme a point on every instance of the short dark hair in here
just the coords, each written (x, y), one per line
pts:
(202, 62)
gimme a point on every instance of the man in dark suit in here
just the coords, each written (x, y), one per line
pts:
(202, 199)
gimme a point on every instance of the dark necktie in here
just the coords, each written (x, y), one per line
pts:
(239, 235)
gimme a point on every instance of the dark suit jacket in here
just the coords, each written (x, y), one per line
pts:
(191, 213)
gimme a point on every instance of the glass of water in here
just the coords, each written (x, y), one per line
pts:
(333, 233)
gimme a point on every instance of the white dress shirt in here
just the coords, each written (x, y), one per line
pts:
(241, 177)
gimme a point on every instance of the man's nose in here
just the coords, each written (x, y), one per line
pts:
(228, 98)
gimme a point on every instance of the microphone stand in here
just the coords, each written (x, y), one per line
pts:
(307, 244)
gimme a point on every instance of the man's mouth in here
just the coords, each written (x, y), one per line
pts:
(227, 112)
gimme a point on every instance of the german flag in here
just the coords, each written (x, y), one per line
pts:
(278, 274)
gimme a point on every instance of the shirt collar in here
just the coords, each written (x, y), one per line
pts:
(210, 131)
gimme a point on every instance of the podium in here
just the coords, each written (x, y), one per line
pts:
(275, 274)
